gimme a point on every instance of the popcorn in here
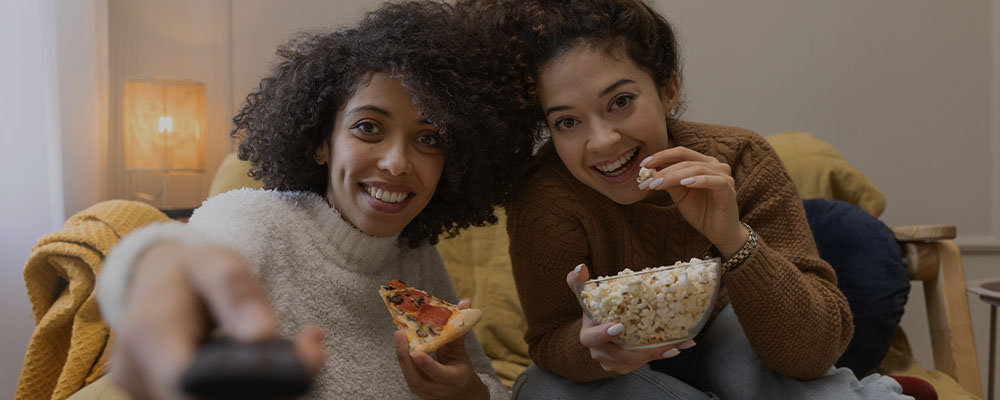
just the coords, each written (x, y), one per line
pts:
(656, 305)
(644, 173)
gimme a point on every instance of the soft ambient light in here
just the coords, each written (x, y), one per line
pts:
(164, 125)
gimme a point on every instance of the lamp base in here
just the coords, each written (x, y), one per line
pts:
(179, 213)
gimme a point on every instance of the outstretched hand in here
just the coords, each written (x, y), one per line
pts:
(178, 295)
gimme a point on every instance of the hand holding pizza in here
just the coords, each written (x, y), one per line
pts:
(449, 377)
(428, 324)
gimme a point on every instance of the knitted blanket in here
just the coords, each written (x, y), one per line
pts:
(69, 347)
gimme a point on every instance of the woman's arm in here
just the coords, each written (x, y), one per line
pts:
(164, 287)
(786, 297)
(546, 243)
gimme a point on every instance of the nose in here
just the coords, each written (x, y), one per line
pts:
(394, 158)
(602, 137)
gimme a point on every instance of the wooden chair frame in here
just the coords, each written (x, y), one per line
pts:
(933, 258)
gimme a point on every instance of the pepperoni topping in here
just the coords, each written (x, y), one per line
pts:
(397, 284)
(433, 315)
(409, 305)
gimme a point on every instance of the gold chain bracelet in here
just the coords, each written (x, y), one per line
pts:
(744, 253)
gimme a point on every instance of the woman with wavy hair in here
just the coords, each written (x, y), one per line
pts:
(603, 76)
(371, 142)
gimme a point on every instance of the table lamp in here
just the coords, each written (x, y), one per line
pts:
(164, 130)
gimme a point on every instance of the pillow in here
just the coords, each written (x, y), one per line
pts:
(820, 172)
(232, 175)
(479, 265)
(870, 271)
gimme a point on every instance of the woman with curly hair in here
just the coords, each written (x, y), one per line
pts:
(372, 142)
(604, 78)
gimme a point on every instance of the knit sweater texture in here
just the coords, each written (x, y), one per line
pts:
(317, 269)
(786, 298)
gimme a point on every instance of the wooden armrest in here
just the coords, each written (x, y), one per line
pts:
(938, 263)
(914, 233)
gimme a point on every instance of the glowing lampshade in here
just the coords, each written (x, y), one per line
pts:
(164, 125)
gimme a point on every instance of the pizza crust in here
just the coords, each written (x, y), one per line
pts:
(457, 326)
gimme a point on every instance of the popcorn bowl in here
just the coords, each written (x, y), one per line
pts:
(658, 306)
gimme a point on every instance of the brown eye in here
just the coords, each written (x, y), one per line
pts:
(366, 128)
(432, 140)
(621, 101)
(565, 123)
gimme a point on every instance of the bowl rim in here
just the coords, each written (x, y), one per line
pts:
(684, 264)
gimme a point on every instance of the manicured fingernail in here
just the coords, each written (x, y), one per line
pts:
(671, 353)
(576, 271)
(645, 161)
(644, 184)
(687, 345)
(687, 181)
(616, 329)
(656, 183)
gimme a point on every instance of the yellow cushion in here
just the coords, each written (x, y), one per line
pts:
(820, 172)
(232, 175)
(479, 265)
(101, 389)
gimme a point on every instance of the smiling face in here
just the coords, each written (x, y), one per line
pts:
(384, 158)
(606, 115)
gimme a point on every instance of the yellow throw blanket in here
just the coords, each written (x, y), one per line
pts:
(69, 346)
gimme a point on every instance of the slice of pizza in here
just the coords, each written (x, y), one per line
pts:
(429, 322)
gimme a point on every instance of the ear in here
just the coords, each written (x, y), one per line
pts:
(670, 95)
(322, 155)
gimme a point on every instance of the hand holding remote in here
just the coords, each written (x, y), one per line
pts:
(179, 294)
(226, 369)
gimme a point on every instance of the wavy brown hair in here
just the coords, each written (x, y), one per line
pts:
(482, 117)
(534, 32)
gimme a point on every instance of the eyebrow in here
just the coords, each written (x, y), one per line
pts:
(615, 86)
(603, 93)
(370, 108)
(381, 111)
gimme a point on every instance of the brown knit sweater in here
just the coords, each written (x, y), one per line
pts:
(784, 295)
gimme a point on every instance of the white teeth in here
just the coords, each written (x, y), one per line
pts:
(385, 195)
(617, 163)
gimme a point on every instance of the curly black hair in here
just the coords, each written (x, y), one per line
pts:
(537, 31)
(448, 71)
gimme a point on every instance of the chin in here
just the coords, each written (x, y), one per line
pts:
(382, 229)
(625, 197)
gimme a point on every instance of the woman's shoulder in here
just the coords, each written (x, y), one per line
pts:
(729, 144)
(254, 206)
(547, 183)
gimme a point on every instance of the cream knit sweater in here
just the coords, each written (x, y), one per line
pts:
(318, 270)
